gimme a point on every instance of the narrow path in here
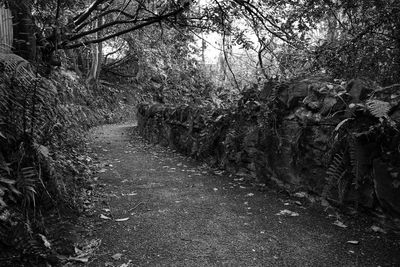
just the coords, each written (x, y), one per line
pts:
(181, 214)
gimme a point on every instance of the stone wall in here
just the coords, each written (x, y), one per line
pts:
(312, 135)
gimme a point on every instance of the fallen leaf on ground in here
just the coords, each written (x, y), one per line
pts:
(353, 242)
(83, 260)
(104, 217)
(377, 229)
(300, 194)
(129, 194)
(340, 224)
(298, 203)
(288, 213)
(116, 256)
(122, 219)
(45, 241)
(126, 264)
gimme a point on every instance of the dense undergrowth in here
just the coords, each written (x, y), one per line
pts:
(42, 165)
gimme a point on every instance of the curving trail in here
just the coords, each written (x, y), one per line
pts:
(177, 212)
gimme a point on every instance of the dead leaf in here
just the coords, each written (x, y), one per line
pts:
(83, 260)
(45, 241)
(353, 242)
(126, 264)
(377, 229)
(104, 217)
(116, 256)
(122, 219)
(300, 194)
(287, 213)
(340, 224)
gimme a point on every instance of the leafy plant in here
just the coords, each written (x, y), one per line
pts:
(336, 173)
(378, 108)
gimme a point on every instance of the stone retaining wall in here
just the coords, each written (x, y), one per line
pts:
(294, 142)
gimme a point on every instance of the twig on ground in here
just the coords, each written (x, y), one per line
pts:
(137, 205)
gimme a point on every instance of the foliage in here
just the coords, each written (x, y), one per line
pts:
(162, 65)
(41, 130)
(25, 167)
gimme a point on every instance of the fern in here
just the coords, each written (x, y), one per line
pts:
(378, 108)
(335, 172)
(357, 160)
(26, 184)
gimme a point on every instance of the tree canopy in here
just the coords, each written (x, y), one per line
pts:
(286, 38)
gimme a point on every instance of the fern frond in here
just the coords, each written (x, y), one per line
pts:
(335, 172)
(378, 108)
(26, 184)
(357, 160)
(336, 167)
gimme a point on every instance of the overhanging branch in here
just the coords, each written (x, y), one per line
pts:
(66, 45)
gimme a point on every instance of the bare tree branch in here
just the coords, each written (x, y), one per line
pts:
(81, 26)
(152, 20)
(83, 16)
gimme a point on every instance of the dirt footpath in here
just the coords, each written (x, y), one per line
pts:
(156, 207)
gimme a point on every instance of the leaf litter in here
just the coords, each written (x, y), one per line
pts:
(288, 213)
(339, 224)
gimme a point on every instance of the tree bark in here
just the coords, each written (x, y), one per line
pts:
(24, 43)
(6, 30)
(97, 55)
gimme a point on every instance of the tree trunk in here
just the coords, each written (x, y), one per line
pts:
(24, 43)
(97, 55)
(6, 29)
